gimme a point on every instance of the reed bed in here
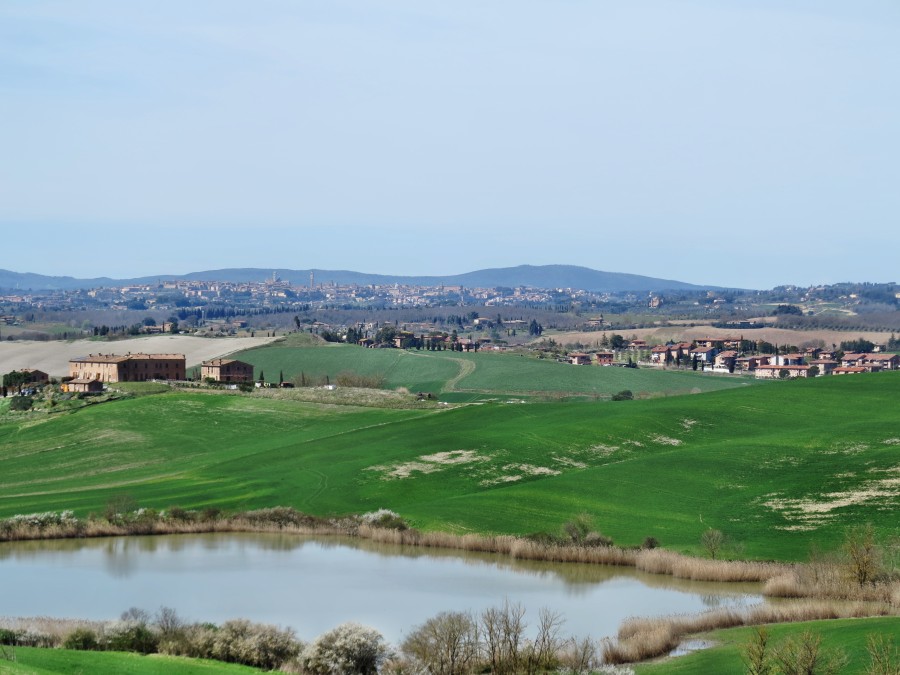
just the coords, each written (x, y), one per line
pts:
(641, 639)
(800, 583)
(656, 561)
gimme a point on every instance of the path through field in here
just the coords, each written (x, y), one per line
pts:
(466, 368)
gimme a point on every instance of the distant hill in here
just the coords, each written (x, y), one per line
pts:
(536, 276)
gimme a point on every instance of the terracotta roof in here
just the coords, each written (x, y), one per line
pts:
(116, 358)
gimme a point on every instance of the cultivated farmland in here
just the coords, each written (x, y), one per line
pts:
(468, 376)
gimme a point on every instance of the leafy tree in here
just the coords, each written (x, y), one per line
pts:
(787, 310)
(858, 345)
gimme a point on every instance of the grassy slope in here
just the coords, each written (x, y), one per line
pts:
(848, 635)
(492, 372)
(35, 661)
(616, 461)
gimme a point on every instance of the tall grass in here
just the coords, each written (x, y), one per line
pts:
(656, 561)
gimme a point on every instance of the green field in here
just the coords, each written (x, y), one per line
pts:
(847, 635)
(459, 375)
(775, 467)
(38, 661)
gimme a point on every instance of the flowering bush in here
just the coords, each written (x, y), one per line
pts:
(39, 520)
(349, 649)
(384, 518)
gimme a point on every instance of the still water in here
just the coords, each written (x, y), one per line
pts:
(313, 584)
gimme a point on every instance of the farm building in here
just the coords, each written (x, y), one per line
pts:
(128, 368)
(226, 370)
(83, 386)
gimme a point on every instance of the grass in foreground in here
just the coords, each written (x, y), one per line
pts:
(40, 661)
(848, 635)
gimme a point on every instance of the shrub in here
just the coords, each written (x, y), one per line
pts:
(21, 403)
(805, 655)
(349, 648)
(650, 542)
(280, 516)
(351, 379)
(132, 634)
(9, 637)
(384, 518)
(624, 395)
(181, 515)
(83, 639)
(257, 645)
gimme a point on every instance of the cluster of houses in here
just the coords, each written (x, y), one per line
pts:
(723, 355)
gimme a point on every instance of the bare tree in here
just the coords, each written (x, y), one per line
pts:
(446, 644)
(863, 555)
(503, 629)
(712, 540)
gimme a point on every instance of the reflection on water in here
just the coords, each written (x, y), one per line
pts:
(313, 583)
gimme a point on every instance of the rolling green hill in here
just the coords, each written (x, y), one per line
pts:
(775, 468)
(459, 376)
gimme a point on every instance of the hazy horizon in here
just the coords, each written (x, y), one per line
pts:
(713, 143)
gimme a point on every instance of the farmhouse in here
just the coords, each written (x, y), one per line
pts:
(226, 370)
(604, 358)
(128, 368)
(661, 354)
(83, 386)
(704, 354)
(751, 363)
(825, 366)
(579, 359)
(726, 360)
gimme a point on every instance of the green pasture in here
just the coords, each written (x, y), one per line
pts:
(846, 635)
(475, 376)
(38, 661)
(776, 468)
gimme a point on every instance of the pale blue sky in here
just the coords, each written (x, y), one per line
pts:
(731, 142)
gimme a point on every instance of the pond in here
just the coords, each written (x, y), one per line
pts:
(315, 583)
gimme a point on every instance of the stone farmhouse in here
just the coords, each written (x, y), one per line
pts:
(226, 370)
(128, 368)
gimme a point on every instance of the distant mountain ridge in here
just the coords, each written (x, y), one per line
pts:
(535, 276)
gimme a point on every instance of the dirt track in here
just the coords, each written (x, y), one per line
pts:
(53, 357)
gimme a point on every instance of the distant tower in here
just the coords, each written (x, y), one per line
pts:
(312, 280)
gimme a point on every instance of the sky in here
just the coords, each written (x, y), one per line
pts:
(742, 144)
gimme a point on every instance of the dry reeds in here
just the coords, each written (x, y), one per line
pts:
(800, 583)
(656, 561)
(642, 639)
(659, 561)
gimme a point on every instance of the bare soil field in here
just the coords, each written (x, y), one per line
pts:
(53, 357)
(781, 336)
